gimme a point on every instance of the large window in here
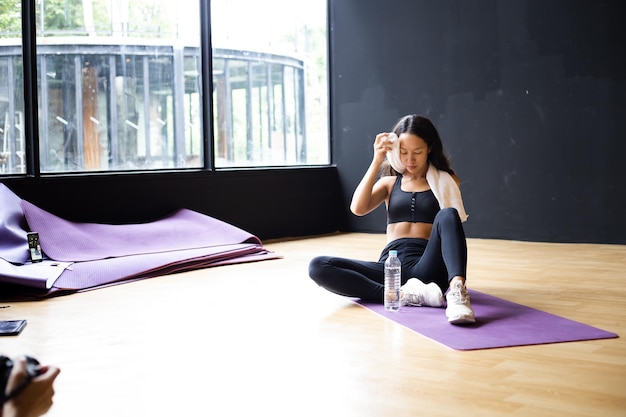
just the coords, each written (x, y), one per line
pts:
(120, 85)
(269, 82)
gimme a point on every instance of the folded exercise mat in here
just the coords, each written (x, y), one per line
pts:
(64, 240)
(95, 255)
(499, 323)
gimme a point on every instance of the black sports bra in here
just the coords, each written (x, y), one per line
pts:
(414, 207)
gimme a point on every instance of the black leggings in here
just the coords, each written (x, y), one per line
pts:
(438, 260)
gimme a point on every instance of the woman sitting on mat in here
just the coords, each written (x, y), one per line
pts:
(424, 224)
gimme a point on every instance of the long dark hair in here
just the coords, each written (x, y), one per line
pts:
(425, 129)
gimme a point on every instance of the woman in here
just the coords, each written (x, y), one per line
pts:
(424, 224)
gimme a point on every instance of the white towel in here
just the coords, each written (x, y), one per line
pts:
(393, 156)
(446, 190)
(444, 187)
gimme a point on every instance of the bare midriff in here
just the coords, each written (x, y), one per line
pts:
(408, 230)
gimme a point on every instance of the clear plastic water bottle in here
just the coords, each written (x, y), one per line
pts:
(393, 270)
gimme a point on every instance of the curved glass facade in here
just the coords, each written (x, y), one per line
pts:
(126, 106)
(258, 108)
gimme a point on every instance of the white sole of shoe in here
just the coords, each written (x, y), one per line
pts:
(462, 320)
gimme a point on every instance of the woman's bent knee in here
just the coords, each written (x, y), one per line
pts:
(448, 213)
(317, 266)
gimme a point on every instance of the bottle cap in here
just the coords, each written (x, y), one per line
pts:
(393, 253)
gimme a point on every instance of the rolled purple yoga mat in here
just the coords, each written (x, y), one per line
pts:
(105, 254)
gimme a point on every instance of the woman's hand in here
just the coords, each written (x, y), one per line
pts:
(36, 399)
(382, 145)
(370, 193)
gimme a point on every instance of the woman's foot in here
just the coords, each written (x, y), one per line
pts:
(459, 310)
(416, 293)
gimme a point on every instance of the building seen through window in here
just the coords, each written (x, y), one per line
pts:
(119, 86)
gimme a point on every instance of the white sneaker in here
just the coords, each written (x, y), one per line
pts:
(416, 293)
(459, 310)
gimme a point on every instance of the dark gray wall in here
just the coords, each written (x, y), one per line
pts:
(529, 98)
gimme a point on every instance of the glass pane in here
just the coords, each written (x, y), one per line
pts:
(12, 146)
(269, 82)
(119, 85)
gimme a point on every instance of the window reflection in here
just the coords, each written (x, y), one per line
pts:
(259, 102)
(118, 107)
(12, 140)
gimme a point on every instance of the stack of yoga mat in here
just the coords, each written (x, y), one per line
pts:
(84, 256)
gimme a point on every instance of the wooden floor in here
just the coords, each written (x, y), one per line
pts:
(262, 339)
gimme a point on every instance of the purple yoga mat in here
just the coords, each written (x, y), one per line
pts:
(104, 272)
(499, 323)
(64, 240)
(103, 254)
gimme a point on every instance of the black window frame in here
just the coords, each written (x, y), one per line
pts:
(31, 124)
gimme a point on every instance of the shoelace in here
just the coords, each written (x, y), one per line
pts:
(414, 299)
(459, 296)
